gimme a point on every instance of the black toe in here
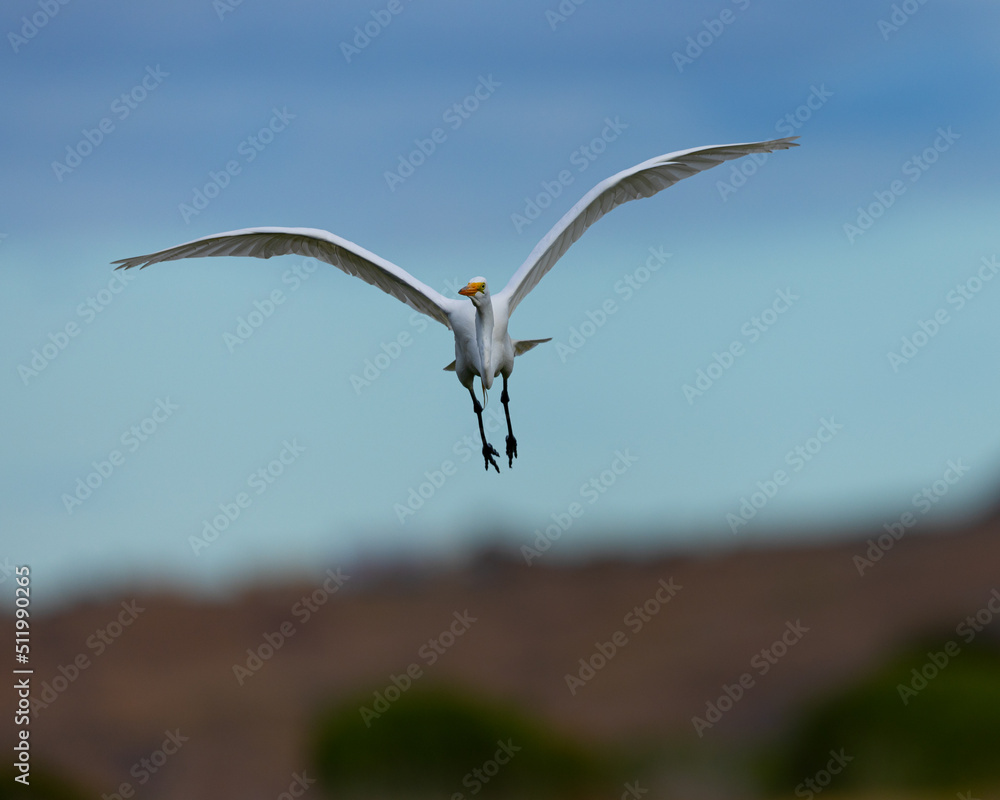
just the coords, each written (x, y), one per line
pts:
(511, 450)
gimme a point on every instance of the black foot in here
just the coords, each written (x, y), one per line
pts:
(511, 450)
(488, 452)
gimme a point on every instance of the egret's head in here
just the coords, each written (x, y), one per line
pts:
(476, 290)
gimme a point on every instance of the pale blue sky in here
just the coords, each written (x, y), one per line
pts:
(878, 97)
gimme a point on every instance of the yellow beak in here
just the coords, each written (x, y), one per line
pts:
(471, 289)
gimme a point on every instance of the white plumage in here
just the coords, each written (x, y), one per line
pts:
(483, 346)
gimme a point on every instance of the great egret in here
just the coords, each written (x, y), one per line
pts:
(483, 347)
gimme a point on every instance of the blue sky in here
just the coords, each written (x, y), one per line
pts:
(120, 116)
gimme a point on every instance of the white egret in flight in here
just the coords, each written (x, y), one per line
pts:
(483, 346)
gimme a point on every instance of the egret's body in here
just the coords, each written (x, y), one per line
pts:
(483, 346)
(479, 341)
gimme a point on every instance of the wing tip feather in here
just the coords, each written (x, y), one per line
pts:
(784, 143)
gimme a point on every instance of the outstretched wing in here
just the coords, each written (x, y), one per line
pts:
(324, 246)
(642, 180)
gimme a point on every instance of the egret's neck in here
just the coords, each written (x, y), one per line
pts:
(484, 338)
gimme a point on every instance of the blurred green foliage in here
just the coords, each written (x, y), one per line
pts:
(945, 736)
(445, 743)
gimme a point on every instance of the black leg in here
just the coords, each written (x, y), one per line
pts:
(488, 450)
(511, 441)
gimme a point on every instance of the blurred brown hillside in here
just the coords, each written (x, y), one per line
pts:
(172, 667)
